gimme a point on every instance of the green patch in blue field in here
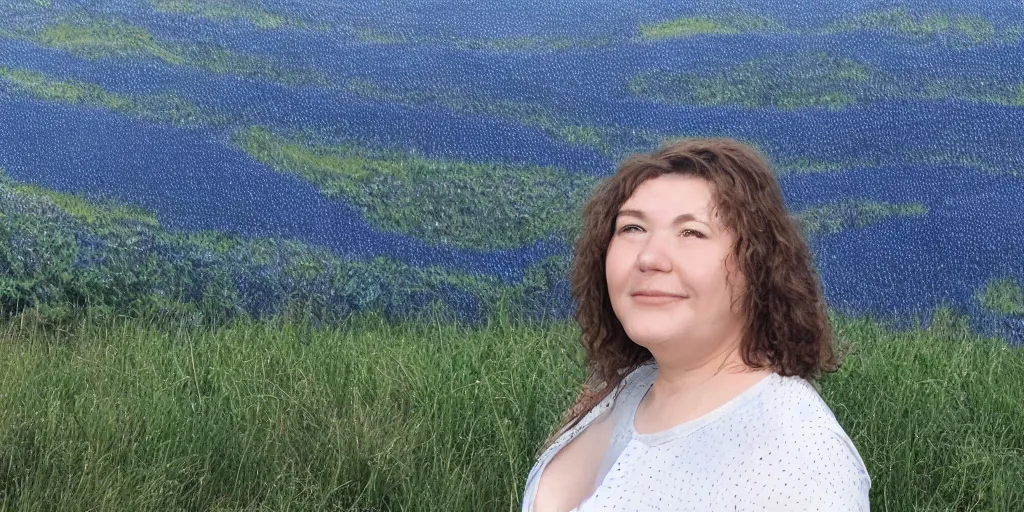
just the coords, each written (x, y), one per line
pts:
(812, 80)
(948, 27)
(704, 25)
(62, 252)
(960, 157)
(521, 44)
(982, 91)
(164, 108)
(785, 82)
(95, 38)
(917, 25)
(1002, 296)
(853, 213)
(95, 212)
(444, 202)
(229, 11)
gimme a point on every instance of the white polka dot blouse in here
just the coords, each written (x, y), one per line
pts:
(775, 446)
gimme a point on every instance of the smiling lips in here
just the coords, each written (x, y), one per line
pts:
(655, 297)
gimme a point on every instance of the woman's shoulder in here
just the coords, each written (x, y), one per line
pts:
(785, 448)
(803, 450)
(818, 469)
(791, 408)
(793, 405)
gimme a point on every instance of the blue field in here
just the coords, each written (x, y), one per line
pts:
(922, 104)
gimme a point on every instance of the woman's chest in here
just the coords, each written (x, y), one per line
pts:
(570, 476)
(694, 475)
(637, 484)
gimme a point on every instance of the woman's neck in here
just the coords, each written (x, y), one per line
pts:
(682, 379)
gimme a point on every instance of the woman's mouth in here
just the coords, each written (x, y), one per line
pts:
(656, 298)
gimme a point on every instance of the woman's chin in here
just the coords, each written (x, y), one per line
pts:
(652, 335)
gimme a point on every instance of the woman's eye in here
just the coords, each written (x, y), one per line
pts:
(633, 228)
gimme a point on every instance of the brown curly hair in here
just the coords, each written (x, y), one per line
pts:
(786, 324)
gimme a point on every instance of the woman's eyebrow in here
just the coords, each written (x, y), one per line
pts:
(685, 217)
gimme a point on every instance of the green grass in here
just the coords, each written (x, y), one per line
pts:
(222, 10)
(921, 26)
(91, 212)
(168, 107)
(812, 80)
(464, 204)
(1005, 296)
(707, 25)
(786, 82)
(98, 39)
(64, 252)
(982, 91)
(948, 158)
(960, 29)
(136, 415)
(853, 213)
(103, 38)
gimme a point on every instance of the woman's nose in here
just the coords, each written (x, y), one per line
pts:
(654, 256)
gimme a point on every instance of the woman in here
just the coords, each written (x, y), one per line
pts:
(704, 328)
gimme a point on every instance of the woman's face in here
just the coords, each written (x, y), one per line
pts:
(667, 265)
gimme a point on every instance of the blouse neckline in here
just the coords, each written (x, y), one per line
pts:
(695, 424)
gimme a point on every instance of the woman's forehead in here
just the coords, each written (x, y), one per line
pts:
(674, 202)
(671, 197)
(674, 186)
(659, 216)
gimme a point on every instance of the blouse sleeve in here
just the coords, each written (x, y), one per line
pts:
(823, 472)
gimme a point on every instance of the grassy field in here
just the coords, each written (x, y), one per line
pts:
(119, 414)
(166, 107)
(462, 203)
(111, 38)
